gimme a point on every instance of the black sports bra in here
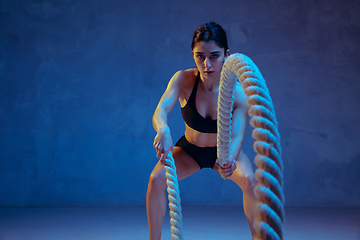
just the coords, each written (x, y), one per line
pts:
(192, 117)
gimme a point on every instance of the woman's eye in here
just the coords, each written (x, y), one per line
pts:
(215, 56)
(200, 56)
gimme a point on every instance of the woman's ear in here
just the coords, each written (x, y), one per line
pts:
(227, 53)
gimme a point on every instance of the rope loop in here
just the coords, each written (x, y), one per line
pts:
(270, 198)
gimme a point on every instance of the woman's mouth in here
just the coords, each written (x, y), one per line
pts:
(208, 72)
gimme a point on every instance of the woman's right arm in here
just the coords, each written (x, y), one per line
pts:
(163, 141)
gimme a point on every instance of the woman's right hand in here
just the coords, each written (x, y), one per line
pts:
(163, 144)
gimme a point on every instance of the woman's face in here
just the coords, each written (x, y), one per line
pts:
(209, 59)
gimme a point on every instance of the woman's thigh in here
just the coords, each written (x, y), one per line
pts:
(244, 165)
(244, 171)
(185, 165)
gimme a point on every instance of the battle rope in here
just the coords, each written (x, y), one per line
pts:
(270, 198)
(174, 198)
(269, 204)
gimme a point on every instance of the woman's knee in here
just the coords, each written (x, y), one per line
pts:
(247, 182)
(157, 181)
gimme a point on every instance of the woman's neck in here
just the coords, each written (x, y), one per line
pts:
(210, 84)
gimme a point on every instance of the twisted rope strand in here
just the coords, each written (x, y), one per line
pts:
(174, 198)
(270, 198)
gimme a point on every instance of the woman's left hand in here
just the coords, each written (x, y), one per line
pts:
(228, 169)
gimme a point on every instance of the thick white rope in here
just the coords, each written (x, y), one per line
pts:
(174, 198)
(269, 204)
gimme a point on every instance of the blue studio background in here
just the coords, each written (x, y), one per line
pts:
(79, 81)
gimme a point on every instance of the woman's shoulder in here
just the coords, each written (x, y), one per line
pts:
(187, 74)
(185, 77)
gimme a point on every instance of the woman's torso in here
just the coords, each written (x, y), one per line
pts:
(205, 106)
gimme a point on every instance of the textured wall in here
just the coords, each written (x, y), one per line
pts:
(79, 81)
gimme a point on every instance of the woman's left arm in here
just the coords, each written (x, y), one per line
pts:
(239, 120)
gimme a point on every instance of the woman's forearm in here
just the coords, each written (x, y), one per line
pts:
(159, 120)
(235, 147)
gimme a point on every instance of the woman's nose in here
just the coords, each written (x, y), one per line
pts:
(207, 62)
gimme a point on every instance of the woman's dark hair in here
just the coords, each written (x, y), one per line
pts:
(210, 31)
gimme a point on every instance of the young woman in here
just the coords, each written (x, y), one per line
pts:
(197, 91)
